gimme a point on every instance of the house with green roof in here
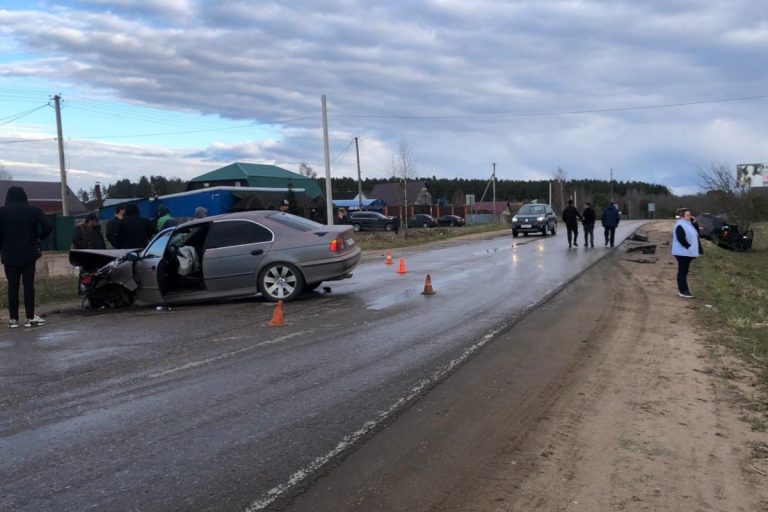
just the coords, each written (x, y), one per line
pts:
(241, 174)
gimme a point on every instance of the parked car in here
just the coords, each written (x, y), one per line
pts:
(233, 255)
(534, 218)
(450, 220)
(723, 232)
(422, 220)
(366, 221)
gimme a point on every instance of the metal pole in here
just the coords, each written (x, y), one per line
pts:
(494, 192)
(328, 188)
(62, 169)
(550, 193)
(359, 180)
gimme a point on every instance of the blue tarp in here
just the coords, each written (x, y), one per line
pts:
(216, 200)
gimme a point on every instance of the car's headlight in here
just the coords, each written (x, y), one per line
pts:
(540, 218)
(514, 219)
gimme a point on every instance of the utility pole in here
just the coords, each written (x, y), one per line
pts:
(328, 189)
(359, 180)
(611, 185)
(62, 169)
(493, 177)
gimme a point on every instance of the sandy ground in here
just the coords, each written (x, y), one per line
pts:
(642, 418)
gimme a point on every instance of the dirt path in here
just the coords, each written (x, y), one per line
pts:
(637, 419)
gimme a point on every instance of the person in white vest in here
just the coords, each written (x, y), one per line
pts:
(686, 246)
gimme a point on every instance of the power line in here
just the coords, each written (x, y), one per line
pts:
(555, 113)
(15, 117)
(25, 140)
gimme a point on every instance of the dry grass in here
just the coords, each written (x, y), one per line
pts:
(735, 284)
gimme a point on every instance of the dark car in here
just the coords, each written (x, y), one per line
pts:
(723, 232)
(422, 220)
(234, 255)
(450, 220)
(534, 218)
(367, 221)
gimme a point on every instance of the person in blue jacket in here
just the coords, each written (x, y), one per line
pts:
(686, 246)
(610, 219)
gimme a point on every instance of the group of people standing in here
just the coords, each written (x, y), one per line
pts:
(610, 219)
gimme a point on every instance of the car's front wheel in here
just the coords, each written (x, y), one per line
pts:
(357, 227)
(514, 233)
(281, 281)
(388, 227)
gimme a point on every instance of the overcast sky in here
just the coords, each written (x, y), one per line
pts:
(653, 89)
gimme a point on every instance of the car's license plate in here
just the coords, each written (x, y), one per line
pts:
(350, 242)
(525, 226)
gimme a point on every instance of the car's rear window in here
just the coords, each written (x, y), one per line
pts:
(296, 222)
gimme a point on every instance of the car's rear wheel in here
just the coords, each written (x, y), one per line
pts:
(357, 227)
(281, 281)
(388, 227)
(425, 225)
(453, 224)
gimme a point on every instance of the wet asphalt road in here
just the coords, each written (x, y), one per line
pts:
(206, 408)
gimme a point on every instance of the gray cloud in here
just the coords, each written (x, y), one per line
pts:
(488, 63)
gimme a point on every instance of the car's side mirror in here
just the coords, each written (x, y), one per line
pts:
(132, 256)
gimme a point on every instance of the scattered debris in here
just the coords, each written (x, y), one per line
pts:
(643, 248)
(638, 237)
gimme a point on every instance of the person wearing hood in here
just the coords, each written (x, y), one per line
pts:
(686, 246)
(22, 227)
(201, 212)
(164, 219)
(610, 219)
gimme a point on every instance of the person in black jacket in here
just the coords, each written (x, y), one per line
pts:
(588, 221)
(113, 223)
(88, 234)
(610, 219)
(21, 228)
(134, 231)
(571, 217)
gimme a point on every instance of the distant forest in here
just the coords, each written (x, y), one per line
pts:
(633, 197)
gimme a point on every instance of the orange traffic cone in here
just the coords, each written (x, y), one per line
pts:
(277, 316)
(428, 286)
(389, 258)
(402, 270)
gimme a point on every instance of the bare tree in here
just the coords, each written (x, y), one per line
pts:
(730, 194)
(402, 168)
(306, 170)
(4, 174)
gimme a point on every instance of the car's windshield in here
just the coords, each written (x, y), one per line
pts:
(532, 209)
(156, 247)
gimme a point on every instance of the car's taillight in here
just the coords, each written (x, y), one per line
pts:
(337, 244)
(86, 279)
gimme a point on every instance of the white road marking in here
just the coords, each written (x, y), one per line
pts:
(201, 362)
(298, 476)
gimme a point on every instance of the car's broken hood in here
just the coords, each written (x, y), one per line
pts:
(94, 258)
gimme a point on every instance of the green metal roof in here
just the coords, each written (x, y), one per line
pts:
(260, 175)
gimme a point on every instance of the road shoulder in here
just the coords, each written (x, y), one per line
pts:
(615, 407)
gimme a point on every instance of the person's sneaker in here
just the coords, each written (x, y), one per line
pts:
(685, 295)
(13, 324)
(32, 322)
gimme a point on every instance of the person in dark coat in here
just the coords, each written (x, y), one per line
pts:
(88, 234)
(134, 230)
(113, 223)
(22, 227)
(610, 219)
(571, 218)
(588, 221)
